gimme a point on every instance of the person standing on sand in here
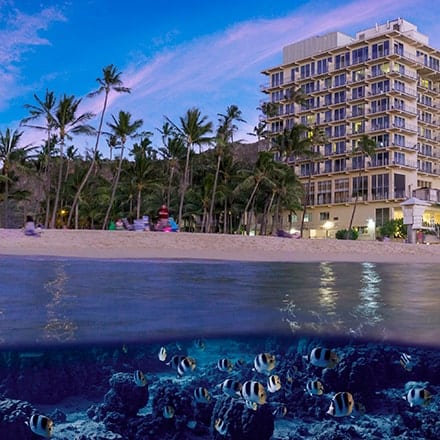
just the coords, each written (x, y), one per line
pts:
(164, 215)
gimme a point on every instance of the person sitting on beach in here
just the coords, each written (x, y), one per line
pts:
(119, 225)
(163, 217)
(29, 227)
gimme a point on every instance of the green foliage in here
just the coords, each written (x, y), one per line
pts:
(342, 234)
(393, 229)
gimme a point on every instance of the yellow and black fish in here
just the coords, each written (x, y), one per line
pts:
(254, 392)
(201, 395)
(406, 361)
(341, 405)
(224, 365)
(175, 361)
(41, 425)
(264, 362)
(273, 383)
(220, 426)
(139, 378)
(314, 388)
(322, 357)
(186, 365)
(231, 388)
(418, 397)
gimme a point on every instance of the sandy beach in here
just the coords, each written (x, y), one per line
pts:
(159, 245)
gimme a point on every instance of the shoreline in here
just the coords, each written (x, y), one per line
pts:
(98, 244)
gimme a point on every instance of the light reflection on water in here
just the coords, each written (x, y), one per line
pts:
(68, 300)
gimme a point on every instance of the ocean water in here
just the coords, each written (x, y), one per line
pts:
(76, 330)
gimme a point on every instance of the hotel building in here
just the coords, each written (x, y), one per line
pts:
(383, 83)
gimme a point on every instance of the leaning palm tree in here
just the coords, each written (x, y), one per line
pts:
(194, 129)
(110, 81)
(366, 148)
(9, 152)
(44, 110)
(66, 122)
(122, 128)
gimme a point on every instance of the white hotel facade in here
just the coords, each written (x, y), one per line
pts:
(383, 83)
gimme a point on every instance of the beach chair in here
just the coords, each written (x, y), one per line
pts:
(127, 225)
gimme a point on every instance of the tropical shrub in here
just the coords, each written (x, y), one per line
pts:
(342, 234)
(393, 229)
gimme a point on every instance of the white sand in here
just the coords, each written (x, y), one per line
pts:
(154, 245)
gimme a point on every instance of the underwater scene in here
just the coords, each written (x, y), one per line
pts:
(94, 349)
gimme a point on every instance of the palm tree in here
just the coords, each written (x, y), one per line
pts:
(44, 110)
(224, 138)
(366, 147)
(110, 81)
(173, 151)
(65, 122)
(316, 138)
(9, 153)
(122, 128)
(194, 129)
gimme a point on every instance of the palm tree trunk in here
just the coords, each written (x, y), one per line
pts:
(354, 210)
(58, 192)
(214, 190)
(306, 200)
(246, 208)
(114, 187)
(92, 164)
(138, 203)
(184, 184)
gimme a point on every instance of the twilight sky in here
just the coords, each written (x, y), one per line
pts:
(173, 55)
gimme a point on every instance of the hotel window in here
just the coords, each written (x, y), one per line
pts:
(358, 92)
(341, 190)
(324, 193)
(358, 127)
(308, 87)
(292, 73)
(380, 105)
(339, 114)
(307, 217)
(380, 123)
(328, 116)
(399, 186)
(382, 216)
(380, 186)
(339, 147)
(399, 158)
(328, 166)
(322, 66)
(380, 49)
(324, 216)
(399, 140)
(340, 130)
(307, 70)
(399, 68)
(359, 55)
(399, 122)
(399, 104)
(327, 83)
(340, 164)
(340, 80)
(399, 85)
(342, 60)
(380, 87)
(310, 196)
(382, 140)
(277, 79)
(380, 159)
(360, 187)
(398, 48)
(328, 150)
(328, 99)
(327, 132)
(358, 162)
(358, 110)
(380, 69)
(358, 75)
(340, 97)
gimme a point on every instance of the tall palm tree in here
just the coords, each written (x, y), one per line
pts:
(122, 128)
(110, 81)
(66, 122)
(194, 129)
(224, 139)
(173, 151)
(9, 152)
(366, 147)
(44, 109)
(316, 138)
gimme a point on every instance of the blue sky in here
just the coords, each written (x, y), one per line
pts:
(173, 55)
